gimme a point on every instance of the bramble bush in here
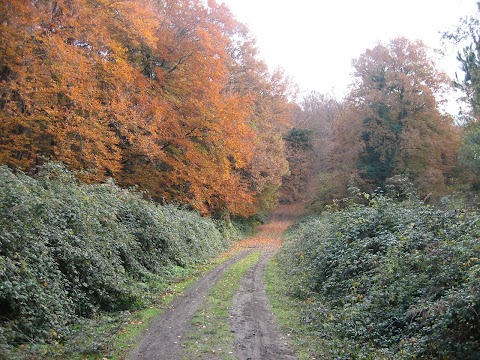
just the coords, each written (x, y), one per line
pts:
(389, 280)
(70, 250)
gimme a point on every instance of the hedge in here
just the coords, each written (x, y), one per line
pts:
(70, 250)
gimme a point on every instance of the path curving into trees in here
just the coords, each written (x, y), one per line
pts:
(256, 334)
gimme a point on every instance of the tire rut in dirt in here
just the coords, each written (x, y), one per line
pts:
(257, 335)
(163, 340)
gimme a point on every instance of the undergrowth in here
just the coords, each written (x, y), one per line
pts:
(71, 251)
(388, 280)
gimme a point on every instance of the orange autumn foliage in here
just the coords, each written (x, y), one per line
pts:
(154, 94)
(392, 123)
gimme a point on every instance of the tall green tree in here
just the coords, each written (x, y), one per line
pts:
(468, 32)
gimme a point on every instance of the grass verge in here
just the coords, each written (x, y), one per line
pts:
(128, 336)
(288, 313)
(211, 337)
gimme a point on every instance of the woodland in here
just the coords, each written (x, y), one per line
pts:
(138, 138)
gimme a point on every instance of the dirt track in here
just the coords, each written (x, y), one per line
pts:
(256, 334)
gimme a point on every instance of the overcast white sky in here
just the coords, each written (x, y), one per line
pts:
(316, 40)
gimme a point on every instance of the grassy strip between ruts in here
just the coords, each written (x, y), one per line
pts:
(211, 337)
(288, 312)
(130, 334)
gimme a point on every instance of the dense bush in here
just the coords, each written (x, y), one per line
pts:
(390, 280)
(69, 250)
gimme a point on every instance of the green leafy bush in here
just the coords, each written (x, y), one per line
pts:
(390, 279)
(69, 250)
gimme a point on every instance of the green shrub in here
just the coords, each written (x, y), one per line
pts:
(390, 279)
(69, 250)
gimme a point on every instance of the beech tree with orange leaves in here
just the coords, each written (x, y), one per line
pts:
(392, 124)
(161, 95)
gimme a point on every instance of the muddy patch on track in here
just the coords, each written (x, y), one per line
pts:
(257, 335)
